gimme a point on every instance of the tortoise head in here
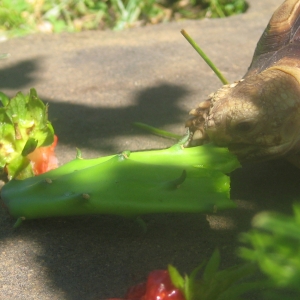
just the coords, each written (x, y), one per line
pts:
(257, 118)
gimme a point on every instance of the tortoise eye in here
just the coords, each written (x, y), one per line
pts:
(244, 126)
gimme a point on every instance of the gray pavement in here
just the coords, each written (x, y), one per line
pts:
(97, 84)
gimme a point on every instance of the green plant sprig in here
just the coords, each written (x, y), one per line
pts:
(204, 56)
(274, 244)
(157, 131)
(215, 284)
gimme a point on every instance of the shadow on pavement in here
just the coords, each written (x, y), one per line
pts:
(97, 127)
(20, 74)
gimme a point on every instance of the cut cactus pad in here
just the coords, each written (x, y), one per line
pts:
(128, 184)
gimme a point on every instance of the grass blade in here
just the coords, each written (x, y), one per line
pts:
(205, 57)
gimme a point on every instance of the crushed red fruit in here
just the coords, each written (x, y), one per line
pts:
(43, 159)
(157, 287)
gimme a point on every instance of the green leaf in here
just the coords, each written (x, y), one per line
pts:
(19, 168)
(4, 99)
(18, 112)
(156, 131)
(7, 137)
(215, 284)
(296, 209)
(176, 278)
(274, 244)
(277, 223)
(212, 266)
(37, 109)
(191, 284)
(235, 291)
(226, 279)
(29, 146)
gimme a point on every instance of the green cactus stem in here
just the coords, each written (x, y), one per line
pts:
(176, 179)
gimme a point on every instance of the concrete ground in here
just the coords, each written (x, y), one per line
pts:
(97, 84)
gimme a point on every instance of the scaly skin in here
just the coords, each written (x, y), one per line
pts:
(258, 117)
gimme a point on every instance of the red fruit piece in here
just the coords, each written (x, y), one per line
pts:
(43, 159)
(158, 287)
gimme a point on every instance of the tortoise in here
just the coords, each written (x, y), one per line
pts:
(258, 116)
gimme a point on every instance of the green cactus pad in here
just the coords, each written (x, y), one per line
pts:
(128, 184)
